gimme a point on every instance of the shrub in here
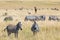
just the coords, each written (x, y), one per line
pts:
(5, 14)
(8, 18)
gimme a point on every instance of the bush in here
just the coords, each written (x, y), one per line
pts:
(5, 14)
(8, 18)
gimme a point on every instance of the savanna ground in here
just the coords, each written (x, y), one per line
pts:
(49, 30)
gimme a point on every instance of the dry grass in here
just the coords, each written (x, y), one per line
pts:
(49, 30)
(46, 32)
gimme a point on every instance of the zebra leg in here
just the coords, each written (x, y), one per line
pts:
(16, 34)
(9, 33)
(34, 33)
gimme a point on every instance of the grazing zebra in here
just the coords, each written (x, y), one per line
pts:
(52, 17)
(13, 29)
(31, 18)
(35, 28)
